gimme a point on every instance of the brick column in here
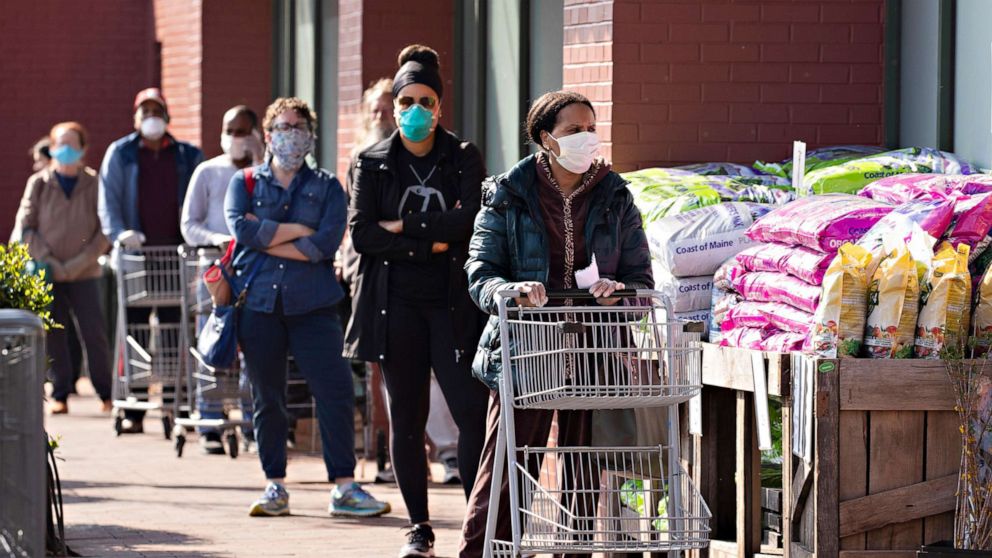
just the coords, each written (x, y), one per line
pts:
(372, 33)
(213, 57)
(178, 28)
(702, 80)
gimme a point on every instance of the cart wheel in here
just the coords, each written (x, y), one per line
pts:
(118, 425)
(180, 444)
(167, 427)
(232, 445)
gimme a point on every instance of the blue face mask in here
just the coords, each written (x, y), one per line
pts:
(415, 123)
(66, 154)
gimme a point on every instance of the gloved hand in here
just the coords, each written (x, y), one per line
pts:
(131, 239)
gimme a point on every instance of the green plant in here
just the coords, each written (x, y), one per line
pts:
(19, 288)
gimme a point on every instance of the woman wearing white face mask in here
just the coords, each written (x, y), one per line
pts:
(553, 214)
(58, 221)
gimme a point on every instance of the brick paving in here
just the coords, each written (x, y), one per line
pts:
(131, 496)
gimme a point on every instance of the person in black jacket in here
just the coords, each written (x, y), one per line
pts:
(413, 202)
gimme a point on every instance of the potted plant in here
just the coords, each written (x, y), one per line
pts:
(25, 286)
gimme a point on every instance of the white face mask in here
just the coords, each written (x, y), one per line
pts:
(153, 128)
(577, 151)
(236, 148)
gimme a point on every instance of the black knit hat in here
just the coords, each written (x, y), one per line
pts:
(419, 64)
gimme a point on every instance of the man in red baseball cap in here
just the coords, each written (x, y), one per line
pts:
(143, 182)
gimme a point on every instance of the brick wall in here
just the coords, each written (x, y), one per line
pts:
(178, 27)
(237, 64)
(50, 75)
(372, 33)
(703, 80)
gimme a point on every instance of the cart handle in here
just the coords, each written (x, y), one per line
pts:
(582, 294)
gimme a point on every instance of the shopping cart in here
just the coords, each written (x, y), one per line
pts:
(204, 386)
(148, 333)
(596, 499)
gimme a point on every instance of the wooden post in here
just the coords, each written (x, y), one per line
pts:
(748, 479)
(826, 466)
(787, 472)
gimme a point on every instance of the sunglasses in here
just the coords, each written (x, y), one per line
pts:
(426, 102)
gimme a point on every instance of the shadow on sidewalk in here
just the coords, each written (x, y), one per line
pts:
(105, 540)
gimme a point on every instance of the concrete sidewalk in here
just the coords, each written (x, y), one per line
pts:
(131, 496)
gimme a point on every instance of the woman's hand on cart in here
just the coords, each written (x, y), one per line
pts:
(534, 293)
(602, 290)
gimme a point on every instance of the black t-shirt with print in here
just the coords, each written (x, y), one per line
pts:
(424, 191)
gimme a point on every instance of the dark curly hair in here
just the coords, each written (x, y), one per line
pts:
(419, 53)
(283, 104)
(543, 113)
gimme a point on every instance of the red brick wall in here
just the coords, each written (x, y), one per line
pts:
(90, 74)
(704, 80)
(179, 28)
(372, 33)
(237, 64)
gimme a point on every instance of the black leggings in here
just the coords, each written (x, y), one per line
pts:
(419, 338)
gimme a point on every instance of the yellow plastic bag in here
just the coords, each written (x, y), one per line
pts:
(893, 306)
(982, 318)
(946, 301)
(839, 323)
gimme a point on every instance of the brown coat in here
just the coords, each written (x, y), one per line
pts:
(62, 232)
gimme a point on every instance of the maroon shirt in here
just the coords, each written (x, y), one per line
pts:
(158, 195)
(566, 252)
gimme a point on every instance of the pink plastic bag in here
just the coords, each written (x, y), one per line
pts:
(903, 188)
(766, 286)
(783, 342)
(972, 220)
(762, 340)
(822, 223)
(808, 265)
(768, 314)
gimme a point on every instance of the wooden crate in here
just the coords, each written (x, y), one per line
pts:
(725, 460)
(884, 455)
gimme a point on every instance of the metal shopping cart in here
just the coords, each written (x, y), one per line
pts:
(205, 387)
(148, 333)
(596, 499)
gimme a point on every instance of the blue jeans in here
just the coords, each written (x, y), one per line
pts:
(316, 342)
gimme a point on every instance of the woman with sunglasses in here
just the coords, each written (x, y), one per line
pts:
(413, 202)
(541, 222)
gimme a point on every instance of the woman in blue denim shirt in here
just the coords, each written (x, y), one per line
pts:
(288, 231)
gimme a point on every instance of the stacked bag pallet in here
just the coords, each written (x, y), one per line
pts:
(844, 275)
(696, 217)
(845, 266)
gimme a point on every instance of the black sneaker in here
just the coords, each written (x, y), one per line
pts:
(211, 443)
(420, 543)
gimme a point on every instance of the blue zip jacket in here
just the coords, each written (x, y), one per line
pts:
(118, 199)
(315, 199)
(510, 245)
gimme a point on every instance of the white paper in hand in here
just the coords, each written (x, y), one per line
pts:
(585, 278)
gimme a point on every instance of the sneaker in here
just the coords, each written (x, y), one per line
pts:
(419, 542)
(274, 502)
(385, 476)
(356, 502)
(130, 426)
(211, 444)
(451, 475)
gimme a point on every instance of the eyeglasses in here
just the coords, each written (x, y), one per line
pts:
(286, 127)
(426, 102)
